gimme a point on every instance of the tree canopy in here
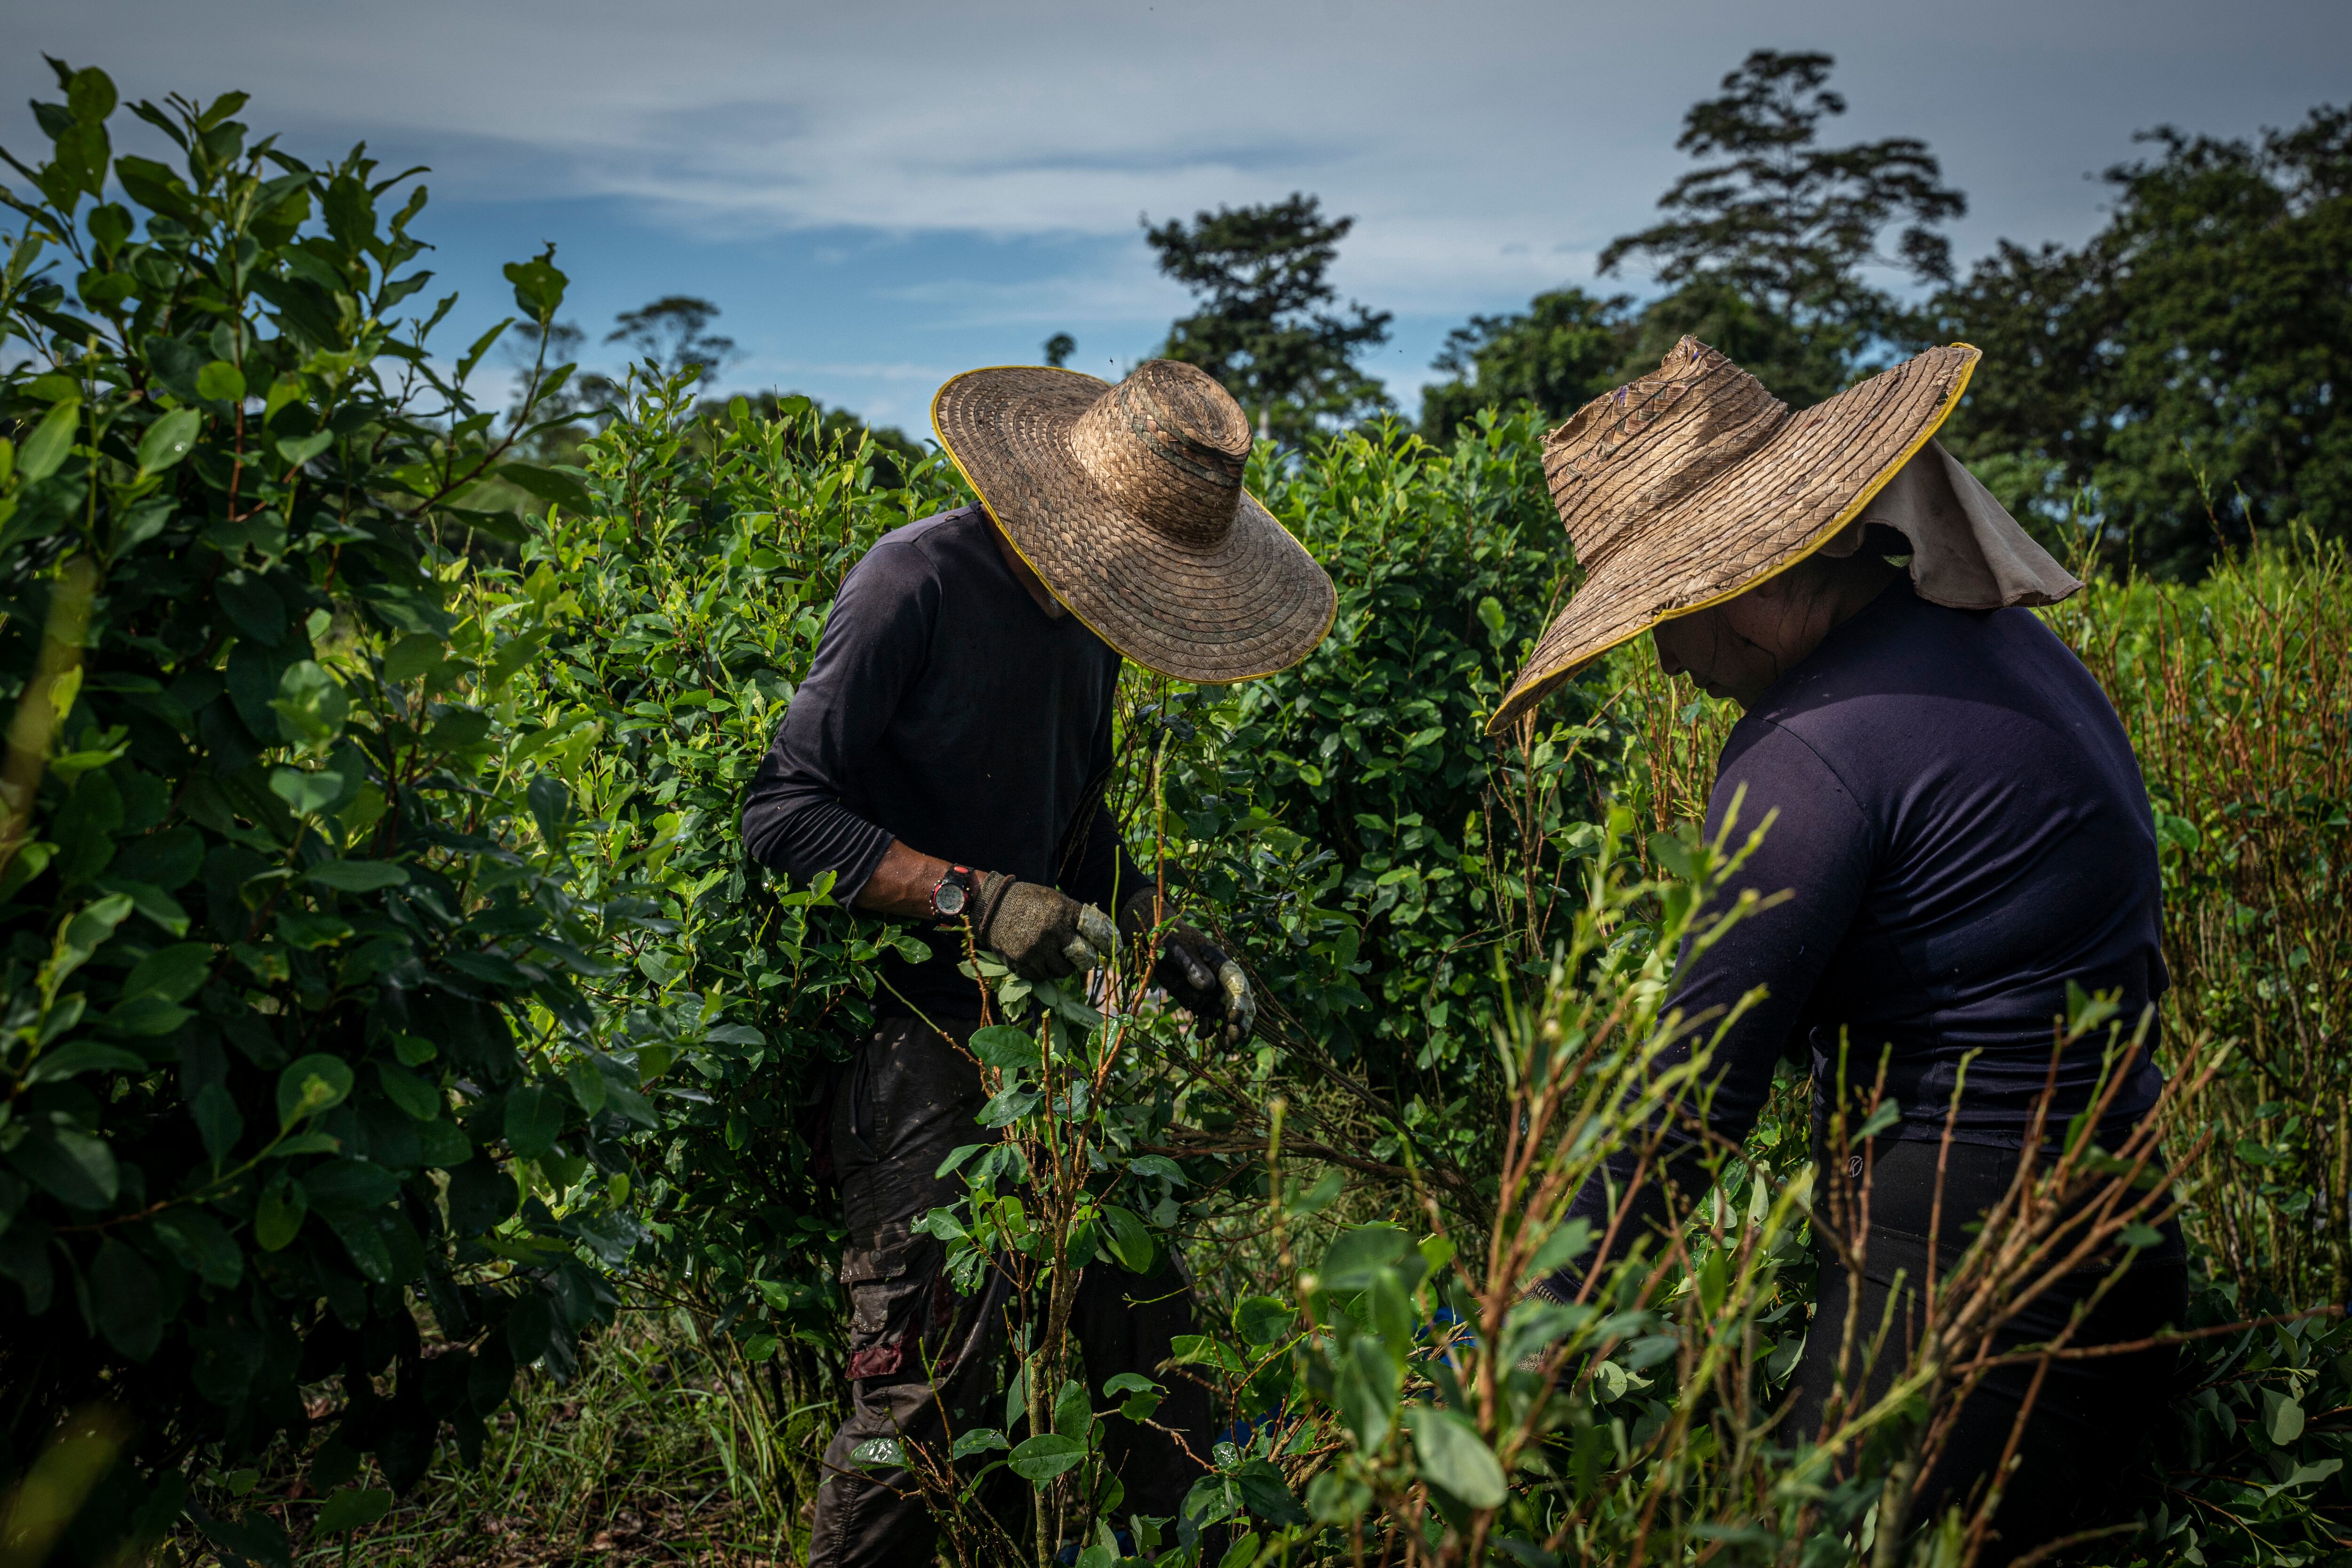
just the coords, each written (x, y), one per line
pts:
(2179, 380)
(1562, 351)
(1793, 229)
(673, 332)
(1270, 325)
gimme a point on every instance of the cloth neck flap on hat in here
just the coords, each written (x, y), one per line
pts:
(1967, 552)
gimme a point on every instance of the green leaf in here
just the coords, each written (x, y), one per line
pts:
(548, 485)
(341, 1187)
(218, 1121)
(1002, 1046)
(149, 899)
(277, 1217)
(1265, 1494)
(309, 931)
(76, 1169)
(551, 804)
(411, 657)
(535, 1120)
(588, 1087)
(168, 439)
(417, 1098)
(91, 96)
(1452, 1456)
(353, 1508)
(1040, 1459)
(1143, 1396)
(144, 1017)
(312, 1084)
(77, 1056)
(538, 286)
(202, 1245)
(1131, 1240)
(1355, 1255)
(311, 705)
(221, 382)
(175, 973)
(978, 1440)
(1365, 1391)
(44, 449)
(1074, 1415)
(2282, 1418)
(878, 1453)
(252, 606)
(1263, 1320)
(299, 450)
(305, 795)
(356, 876)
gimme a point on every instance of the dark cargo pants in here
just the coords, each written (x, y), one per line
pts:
(924, 1359)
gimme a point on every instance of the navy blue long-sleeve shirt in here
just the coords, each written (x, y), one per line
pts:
(945, 709)
(1963, 831)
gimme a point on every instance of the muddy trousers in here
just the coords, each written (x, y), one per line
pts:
(2083, 1453)
(925, 1362)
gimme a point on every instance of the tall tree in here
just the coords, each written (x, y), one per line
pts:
(1059, 348)
(1793, 227)
(2182, 379)
(1269, 324)
(1558, 354)
(673, 332)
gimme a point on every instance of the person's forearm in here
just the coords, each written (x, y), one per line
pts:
(901, 885)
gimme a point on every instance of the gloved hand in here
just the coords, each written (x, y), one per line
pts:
(1040, 932)
(1194, 971)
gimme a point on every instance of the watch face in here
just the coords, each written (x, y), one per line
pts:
(948, 898)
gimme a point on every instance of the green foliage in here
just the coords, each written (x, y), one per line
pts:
(1268, 328)
(692, 593)
(281, 972)
(2176, 380)
(1344, 819)
(1563, 351)
(2232, 690)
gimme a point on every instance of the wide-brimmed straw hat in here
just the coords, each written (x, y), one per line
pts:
(1127, 501)
(1694, 484)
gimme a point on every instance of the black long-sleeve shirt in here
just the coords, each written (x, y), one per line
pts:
(944, 708)
(1963, 830)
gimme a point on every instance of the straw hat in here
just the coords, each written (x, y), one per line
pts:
(1127, 501)
(1694, 484)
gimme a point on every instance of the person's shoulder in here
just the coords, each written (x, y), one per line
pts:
(913, 557)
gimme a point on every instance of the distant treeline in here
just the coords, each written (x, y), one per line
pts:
(2177, 382)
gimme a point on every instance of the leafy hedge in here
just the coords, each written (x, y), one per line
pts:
(283, 943)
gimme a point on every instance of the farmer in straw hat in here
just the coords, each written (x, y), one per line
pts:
(1960, 826)
(946, 761)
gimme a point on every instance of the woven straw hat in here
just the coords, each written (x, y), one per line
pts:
(1694, 484)
(1127, 501)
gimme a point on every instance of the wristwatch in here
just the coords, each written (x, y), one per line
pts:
(951, 892)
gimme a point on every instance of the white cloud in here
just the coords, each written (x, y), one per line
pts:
(1485, 148)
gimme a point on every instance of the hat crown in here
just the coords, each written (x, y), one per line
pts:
(1168, 445)
(1624, 460)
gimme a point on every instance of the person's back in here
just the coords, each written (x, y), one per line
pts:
(1964, 833)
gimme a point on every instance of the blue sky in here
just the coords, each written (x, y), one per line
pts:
(879, 195)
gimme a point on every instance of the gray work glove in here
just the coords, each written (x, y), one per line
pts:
(1044, 933)
(1194, 971)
